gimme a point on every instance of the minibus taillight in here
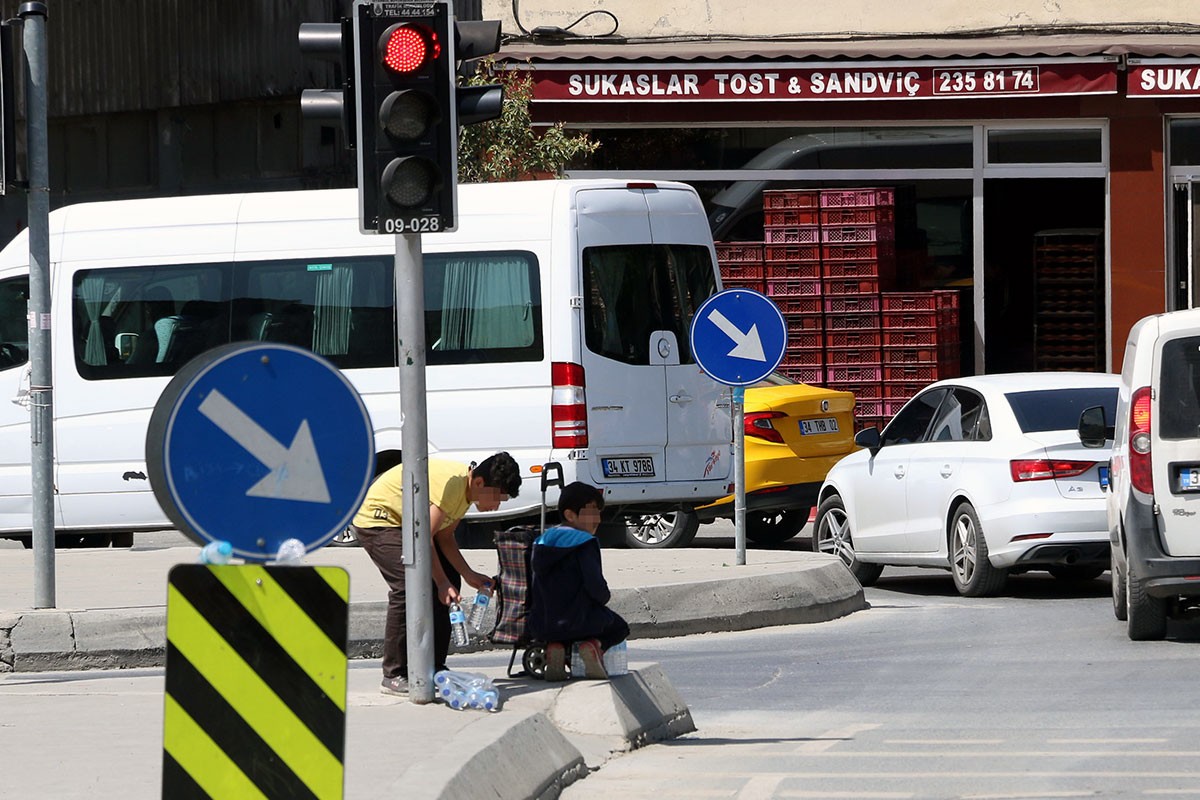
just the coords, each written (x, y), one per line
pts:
(568, 406)
(1140, 473)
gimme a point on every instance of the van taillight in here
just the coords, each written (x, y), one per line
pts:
(568, 406)
(1140, 473)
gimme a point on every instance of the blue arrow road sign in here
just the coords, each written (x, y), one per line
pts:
(738, 337)
(255, 443)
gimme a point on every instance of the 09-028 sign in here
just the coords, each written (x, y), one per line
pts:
(863, 81)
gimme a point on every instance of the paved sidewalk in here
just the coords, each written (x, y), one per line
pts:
(111, 613)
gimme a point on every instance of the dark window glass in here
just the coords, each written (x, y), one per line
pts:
(338, 308)
(913, 420)
(958, 417)
(632, 291)
(1185, 142)
(143, 321)
(1052, 146)
(1059, 409)
(1179, 393)
(482, 307)
(14, 325)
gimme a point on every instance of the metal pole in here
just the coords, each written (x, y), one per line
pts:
(41, 384)
(414, 444)
(739, 473)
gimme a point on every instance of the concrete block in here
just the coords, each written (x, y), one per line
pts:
(638, 708)
(512, 756)
(41, 639)
(121, 638)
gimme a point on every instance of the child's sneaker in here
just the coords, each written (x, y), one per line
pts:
(556, 662)
(593, 659)
(395, 686)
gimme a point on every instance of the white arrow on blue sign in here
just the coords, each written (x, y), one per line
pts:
(255, 443)
(738, 337)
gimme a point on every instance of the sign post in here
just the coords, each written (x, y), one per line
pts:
(738, 337)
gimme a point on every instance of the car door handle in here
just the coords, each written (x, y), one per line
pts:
(947, 470)
(680, 398)
(899, 473)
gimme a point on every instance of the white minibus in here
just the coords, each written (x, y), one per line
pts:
(556, 322)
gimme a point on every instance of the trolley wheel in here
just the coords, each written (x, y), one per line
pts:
(534, 661)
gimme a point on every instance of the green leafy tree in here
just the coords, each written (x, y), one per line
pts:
(508, 148)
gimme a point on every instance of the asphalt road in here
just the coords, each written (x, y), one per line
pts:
(1034, 694)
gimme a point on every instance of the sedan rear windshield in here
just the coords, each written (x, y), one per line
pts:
(1059, 409)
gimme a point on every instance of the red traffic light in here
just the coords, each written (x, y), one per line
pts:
(406, 47)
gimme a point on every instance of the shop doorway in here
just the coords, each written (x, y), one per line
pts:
(1044, 274)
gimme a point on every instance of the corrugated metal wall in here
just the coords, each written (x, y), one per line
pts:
(110, 56)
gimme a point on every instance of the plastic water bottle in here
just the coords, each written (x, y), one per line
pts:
(291, 551)
(479, 607)
(458, 626)
(616, 659)
(219, 552)
(466, 690)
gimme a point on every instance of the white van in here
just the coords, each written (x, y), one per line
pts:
(1154, 492)
(556, 322)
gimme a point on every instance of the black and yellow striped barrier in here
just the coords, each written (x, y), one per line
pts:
(255, 682)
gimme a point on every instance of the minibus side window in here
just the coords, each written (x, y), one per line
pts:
(631, 291)
(482, 307)
(147, 321)
(14, 330)
(338, 308)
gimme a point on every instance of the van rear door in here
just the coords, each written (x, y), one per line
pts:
(647, 264)
(698, 412)
(1175, 452)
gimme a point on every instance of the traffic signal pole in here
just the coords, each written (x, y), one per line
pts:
(41, 382)
(400, 104)
(414, 445)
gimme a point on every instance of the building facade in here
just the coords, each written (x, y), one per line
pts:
(1043, 157)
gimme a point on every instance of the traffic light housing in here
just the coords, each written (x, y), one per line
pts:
(331, 41)
(407, 125)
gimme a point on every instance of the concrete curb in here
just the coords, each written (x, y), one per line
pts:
(586, 724)
(36, 641)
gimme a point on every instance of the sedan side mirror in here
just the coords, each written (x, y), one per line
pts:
(869, 439)
(1094, 430)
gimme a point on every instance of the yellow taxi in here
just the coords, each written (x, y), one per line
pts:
(794, 434)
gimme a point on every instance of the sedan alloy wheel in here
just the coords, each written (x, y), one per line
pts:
(974, 575)
(832, 535)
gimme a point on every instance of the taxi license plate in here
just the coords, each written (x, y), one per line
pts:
(1189, 479)
(627, 467)
(812, 427)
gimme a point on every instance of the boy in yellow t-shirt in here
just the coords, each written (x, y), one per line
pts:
(453, 489)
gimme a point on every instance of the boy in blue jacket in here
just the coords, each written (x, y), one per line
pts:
(568, 590)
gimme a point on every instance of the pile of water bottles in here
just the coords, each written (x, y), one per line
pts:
(463, 690)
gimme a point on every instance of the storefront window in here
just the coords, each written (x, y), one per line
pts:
(781, 148)
(1052, 146)
(1185, 142)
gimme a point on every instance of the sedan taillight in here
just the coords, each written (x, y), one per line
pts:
(1045, 469)
(758, 424)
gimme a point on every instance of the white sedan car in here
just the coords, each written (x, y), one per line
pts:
(980, 475)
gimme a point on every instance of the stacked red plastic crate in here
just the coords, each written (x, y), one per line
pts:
(920, 343)
(792, 273)
(741, 265)
(858, 258)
